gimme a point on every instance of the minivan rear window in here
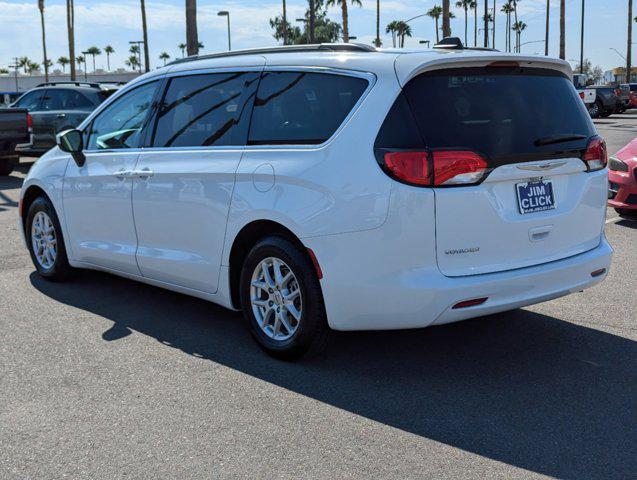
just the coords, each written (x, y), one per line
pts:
(295, 108)
(508, 114)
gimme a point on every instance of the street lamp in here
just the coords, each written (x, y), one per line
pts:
(84, 54)
(225, 13)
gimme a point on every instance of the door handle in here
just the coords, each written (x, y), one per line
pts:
(61, 115)
(143, 174)
(121, 174)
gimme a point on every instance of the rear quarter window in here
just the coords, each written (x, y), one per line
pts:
(295, 108)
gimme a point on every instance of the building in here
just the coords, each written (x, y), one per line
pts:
(13, 85)
(618, 75)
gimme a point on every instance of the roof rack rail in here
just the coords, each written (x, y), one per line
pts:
(77, 84)
(329, 47)
(454, 43)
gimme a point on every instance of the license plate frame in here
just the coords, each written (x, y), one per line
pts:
(535, 196)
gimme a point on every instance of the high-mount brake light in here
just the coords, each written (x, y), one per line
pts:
(596, 155)
(504, 63)
(436, 168)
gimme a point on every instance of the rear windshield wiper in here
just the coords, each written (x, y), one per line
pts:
(560, 138)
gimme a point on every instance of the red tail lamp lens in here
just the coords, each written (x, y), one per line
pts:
(470, 303)
(596, 156)
(412, 167)
(458, 167)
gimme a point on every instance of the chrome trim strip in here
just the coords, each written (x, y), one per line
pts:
(542, 166)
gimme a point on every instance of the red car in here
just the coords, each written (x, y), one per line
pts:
(622, 181)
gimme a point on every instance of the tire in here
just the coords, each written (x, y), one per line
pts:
(7, 165)
(42, 212)
(625, 213)
(310, 333)
(595, 109)
(606, 113)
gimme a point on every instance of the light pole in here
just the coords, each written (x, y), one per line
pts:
(581, 54)
(16, 66)
(225, 13)
(84, 54)
(423, 42)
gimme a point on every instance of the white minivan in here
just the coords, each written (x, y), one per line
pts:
(333, 187)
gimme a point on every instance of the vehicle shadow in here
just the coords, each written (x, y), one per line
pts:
(522, 388)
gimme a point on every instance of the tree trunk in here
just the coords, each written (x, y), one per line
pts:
(546, 34)
(437, 31)
(494, 15)
(345, 21)
(145, 33)
(629, 50)
(312, 22)
(46, 61)
(377, 23)
(466, 23)
(93, 63)
(192, 39)
(581, 52)
(446, 26)
(285, 24)
(70, 28)
(108, 61)
(563, 29)
(486, 23)
(475, 26)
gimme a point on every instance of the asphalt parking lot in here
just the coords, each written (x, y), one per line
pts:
(107, 378)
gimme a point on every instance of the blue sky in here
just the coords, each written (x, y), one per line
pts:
(115, 22)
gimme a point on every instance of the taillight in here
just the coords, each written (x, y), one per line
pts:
(618, 92)
(581, 95)
(458, 167)
(596, 155)
(436, 168)
(29, 122)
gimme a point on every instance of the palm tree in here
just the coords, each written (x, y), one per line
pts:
(70, 29)
(134, 49)
(563, 29)
(485, 17)
(63, 62)
(285, 23)
(402, 30)
(145, 35)
(133, 62)
(518, 28)
(435, 12)
(81, 60)
(23, 62)
(474, 5)
(507, 9)
(344, 14)
(32, 67)
(182, 47)
(93, 51)
(192, 41)
(45, 61)
(464, 4)
(392, 27)
(546, 34)
(377, 41)
(446, 25)
(164, 56)
(108, 50)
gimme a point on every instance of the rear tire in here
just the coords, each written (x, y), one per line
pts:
(7, 165)
(282, 301)
(46, 244)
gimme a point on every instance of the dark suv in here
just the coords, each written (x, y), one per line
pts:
(59, 106)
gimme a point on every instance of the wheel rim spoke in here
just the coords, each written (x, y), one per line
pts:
(276, 299)
(44, 240)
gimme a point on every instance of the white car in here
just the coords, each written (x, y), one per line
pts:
(333, 187)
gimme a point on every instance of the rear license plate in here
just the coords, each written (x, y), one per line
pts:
(535, 196)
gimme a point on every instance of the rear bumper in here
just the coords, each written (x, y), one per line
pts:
(421, 297)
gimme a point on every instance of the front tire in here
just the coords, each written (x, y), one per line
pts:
(282, 301)
(46, 244)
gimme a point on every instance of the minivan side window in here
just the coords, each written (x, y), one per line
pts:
(206, 110)
(302, 108)
(120, 124)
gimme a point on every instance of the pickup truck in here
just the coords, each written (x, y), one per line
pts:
(588, 95)
(15, 130)
(606, 101)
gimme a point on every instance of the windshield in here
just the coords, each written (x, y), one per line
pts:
(507, 114)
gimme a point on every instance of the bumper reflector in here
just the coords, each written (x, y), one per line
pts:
(599, 272)
(470, 303)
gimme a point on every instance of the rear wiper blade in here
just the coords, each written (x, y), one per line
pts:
(569, 137)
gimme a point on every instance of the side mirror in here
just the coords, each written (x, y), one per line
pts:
(70, 141)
